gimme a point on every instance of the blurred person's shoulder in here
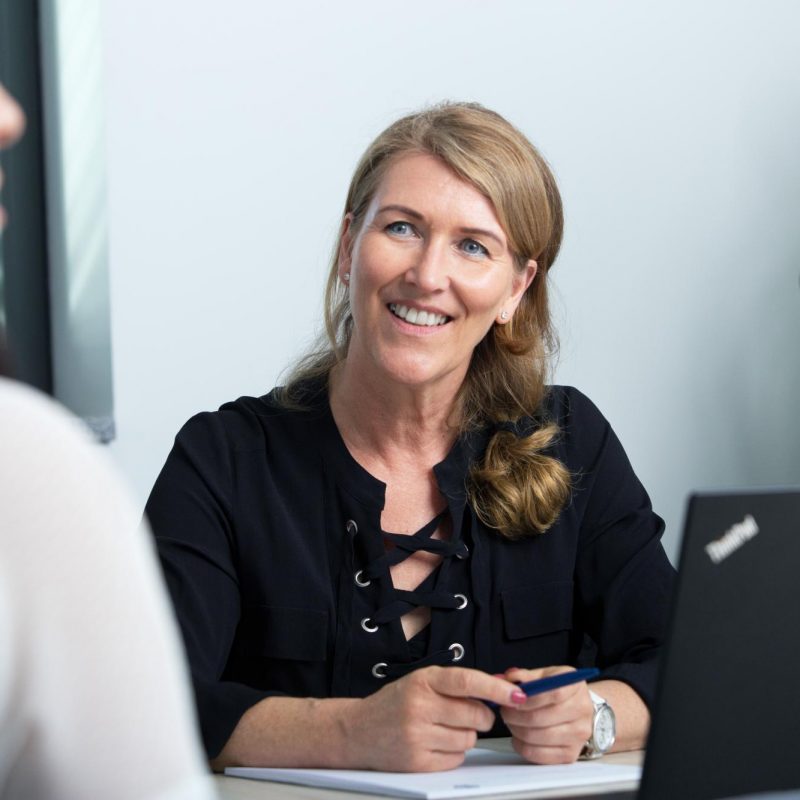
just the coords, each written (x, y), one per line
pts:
(27, 413)
(49, 457)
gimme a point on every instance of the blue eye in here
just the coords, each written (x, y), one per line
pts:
(400, 228)
(473, 248)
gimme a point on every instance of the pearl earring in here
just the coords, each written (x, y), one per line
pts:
(504, 315)
(347, 277)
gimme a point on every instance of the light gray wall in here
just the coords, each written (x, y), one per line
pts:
(672, 127)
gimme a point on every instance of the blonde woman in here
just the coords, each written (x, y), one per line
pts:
(417, 521)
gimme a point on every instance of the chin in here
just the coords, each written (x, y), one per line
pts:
(411, 373)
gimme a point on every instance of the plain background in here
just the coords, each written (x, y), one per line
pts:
(673, 128)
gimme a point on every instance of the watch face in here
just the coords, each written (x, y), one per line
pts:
(604, 729)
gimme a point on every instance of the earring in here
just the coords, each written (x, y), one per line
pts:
(346, 277)
(504, 315)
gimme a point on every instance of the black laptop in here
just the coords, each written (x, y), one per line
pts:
(727, 716)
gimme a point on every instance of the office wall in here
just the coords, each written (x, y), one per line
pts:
(672, 127)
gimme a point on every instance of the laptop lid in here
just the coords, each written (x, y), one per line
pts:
(727, 713)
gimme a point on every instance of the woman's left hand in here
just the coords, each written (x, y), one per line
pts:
(550, 728)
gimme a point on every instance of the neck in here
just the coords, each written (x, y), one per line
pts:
(393, 423)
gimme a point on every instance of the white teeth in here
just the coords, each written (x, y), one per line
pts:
(427, 319)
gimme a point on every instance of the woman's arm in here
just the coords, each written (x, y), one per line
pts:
(424, 722)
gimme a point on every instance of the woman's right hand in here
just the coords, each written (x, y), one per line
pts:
(425, 721)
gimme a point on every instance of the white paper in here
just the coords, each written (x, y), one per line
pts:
(483, 772)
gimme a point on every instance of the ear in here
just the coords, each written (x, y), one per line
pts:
(345, 246)
(519, 285)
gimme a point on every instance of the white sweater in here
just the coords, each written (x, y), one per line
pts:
(94, 695)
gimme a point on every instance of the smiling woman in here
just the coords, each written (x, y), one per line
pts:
(417, 496)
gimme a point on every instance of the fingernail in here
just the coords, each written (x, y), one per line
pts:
(518, 697)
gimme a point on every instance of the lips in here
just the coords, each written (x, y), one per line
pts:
(414, 316)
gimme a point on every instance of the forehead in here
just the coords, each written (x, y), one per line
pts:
(427, 185)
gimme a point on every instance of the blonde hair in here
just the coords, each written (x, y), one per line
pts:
(517, 488)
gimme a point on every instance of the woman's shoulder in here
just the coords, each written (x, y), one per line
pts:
(582, 427)
(250, 421)
(566, 404)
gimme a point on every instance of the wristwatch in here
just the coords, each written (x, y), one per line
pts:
(604, 729)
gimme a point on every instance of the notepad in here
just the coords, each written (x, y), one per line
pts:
(483, 772)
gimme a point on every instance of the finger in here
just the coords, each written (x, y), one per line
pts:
(547, 717)
(575, 734)
(472, 683)
(564, 695)
(469, 714)
(445, 739)
(544, 754)
(517, 675)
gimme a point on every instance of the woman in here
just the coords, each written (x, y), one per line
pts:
(93, 689)
(417, 497)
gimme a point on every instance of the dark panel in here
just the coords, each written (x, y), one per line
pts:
(24, 241)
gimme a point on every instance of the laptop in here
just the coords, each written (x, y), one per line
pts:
(726, 720)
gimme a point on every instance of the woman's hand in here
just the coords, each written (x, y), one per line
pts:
(550, 728)
(427, 720)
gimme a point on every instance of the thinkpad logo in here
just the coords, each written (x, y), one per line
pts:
(732, 539)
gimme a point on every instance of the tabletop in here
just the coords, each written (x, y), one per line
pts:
(244, 789)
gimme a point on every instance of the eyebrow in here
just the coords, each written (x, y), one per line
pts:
(416, 215)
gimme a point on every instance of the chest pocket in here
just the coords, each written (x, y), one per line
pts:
(298, 634)
(537, 610)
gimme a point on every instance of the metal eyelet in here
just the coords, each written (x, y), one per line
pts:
(458, 651)
(366, 627)
(464, 601)
(357, 579)
(351, 526)
(379, 670)
(462, 554)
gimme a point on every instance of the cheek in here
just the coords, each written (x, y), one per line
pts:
(380, 262)
(485, 294)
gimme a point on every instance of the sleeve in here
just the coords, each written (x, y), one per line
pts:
(96, 701)
(623, 576)
(191, 512)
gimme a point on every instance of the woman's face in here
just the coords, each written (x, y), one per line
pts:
(430, 271)
(12, 123)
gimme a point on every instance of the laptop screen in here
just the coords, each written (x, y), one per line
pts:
(727, 713)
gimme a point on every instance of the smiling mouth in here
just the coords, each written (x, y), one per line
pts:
(426, 319)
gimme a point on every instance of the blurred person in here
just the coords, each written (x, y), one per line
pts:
(94, 696)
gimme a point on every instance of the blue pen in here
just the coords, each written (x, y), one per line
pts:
(551, 682)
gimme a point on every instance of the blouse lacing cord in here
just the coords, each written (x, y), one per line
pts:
(405, 601)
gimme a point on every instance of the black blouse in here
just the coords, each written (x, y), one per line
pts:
(269, 535)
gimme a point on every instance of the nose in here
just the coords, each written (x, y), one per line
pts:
(430, 271)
